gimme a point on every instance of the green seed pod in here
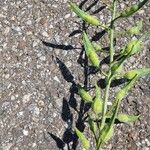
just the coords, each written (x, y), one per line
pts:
(83, 15)
(83, 139)
(121, 94)
(127, 118)
(131, 10)
(90, 52)
(97, 105)
(84, 94)
(107, 133)
(139, 72)
(94, 59)
(93, 125)
(136, 29)
(134, 46)
(130, 74)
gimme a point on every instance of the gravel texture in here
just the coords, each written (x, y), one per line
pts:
(39, 71)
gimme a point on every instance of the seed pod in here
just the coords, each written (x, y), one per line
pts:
(121, 94)
(131, 10)
(139, 72)
(93, 125)
(84, 94)
(134, 46)
(136, 29)
(97, 104)
(90, 52)
(127, 118)
(83, 15)
(107, 133)
(83, 139)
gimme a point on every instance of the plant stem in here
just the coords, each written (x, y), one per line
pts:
(109, 78)
(111, 60)
(112, 32)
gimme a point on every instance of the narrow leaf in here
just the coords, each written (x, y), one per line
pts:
(83, 139)
(83, 15)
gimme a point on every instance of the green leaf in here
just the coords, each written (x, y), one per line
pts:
(117, 67)
(120, 95)
(127, 118)
(93, 126)
(90, 52)
(139, 72)
(97, 104)
(84, 94)
(106, 133)
(131, 10)
(83, 15)
(83, 139)
(136, 29)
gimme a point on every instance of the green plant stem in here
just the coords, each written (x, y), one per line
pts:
(110, 77)
(112, 32)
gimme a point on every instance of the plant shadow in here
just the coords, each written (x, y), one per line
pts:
(69, 137)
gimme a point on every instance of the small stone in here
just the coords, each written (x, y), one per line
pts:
(41, 103)
(29, 22)
(44, 33)
(43, 58)
(12, 97)
(7, 76)
(25, 132)
(67, 16)
(56, 79)
(18, 29)
(26, 98)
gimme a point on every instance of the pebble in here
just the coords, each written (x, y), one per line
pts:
(25, 132)
(56, 79)
(44, 33)
(67, 16)
(26, 98)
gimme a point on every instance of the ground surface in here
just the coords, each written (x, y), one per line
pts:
(34, 88)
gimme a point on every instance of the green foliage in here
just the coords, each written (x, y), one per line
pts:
(127, 118)
(83, 139)
(97, 104)
(136, 29)
(84, 94)
(90, 52)
(103, 130)
(83, 15)
(131, 10)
